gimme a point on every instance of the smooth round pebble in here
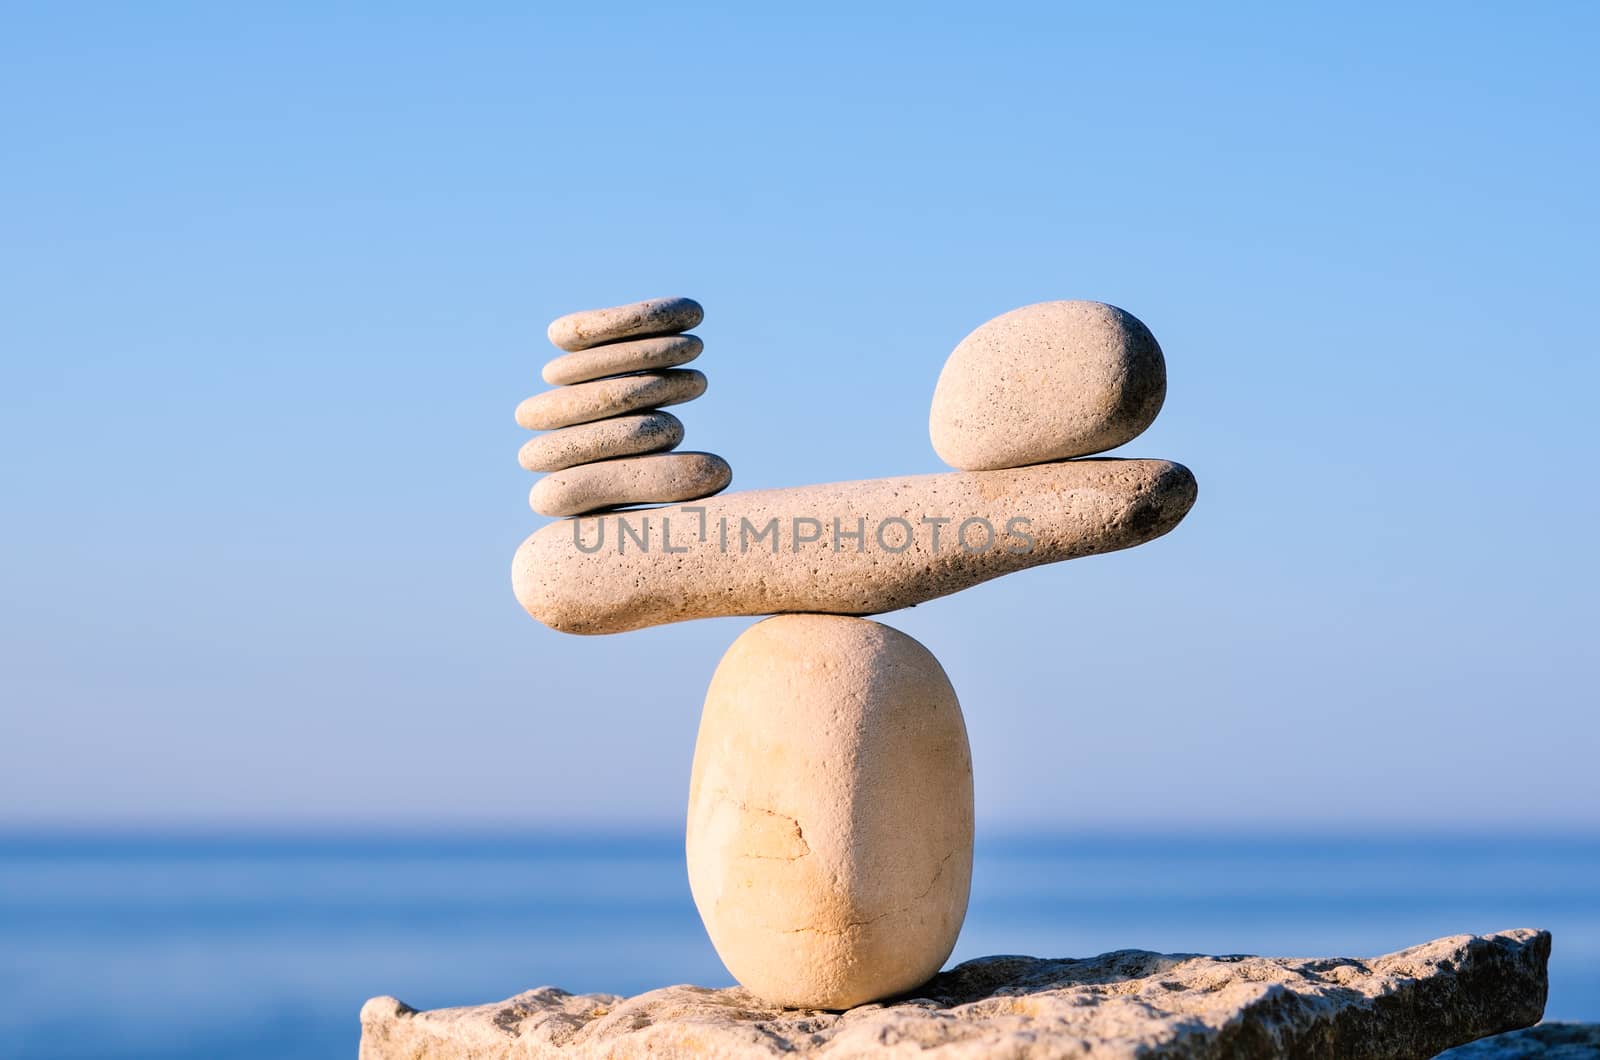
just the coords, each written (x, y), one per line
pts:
(830, 812)
(649, 432)
(1047, 382)
(660, 478)
(615, 358)
(602, 398)
(658, 316)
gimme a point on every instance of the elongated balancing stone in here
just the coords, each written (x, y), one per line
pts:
(849, 548)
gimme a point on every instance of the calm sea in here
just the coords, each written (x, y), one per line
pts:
(266, 947)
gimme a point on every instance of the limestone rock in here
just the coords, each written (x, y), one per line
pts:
(658, 316)
(1547, 1041)
(587, 402)
(663, 351)
(764, 552)
(1047, 382)
(830, 812)
(647, 432)
(1119, 1006)
(659, 478)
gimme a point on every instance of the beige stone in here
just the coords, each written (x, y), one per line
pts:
(646, 432)
(603, 398)
(1127, 1005)
(658, 316)
(1047, 382)
(595, 576)
(638, 355)
(830, 812)
(659, 478)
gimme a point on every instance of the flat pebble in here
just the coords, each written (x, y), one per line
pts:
(661, 478)
(1047, 382)
(658, 316)
(647, 432)
(597, 400)
(615, 358)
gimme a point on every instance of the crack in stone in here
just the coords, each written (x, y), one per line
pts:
(799, 832)
(851, 925)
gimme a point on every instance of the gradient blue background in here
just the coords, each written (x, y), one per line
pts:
(272, 281)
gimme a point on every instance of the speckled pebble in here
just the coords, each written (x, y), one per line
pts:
(658, 316)
(660, 478)
(615, 358)
(602, 398)
(1047, 382)
(647, 432)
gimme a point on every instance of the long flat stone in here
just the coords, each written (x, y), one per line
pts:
(1119, 1006)
(848, 548)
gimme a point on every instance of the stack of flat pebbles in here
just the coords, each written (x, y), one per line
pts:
(607, 442)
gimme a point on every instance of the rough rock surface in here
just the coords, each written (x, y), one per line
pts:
(1125, 1005)
(658, 316)
(654, 479)
(586, 402)
(1047, 382)
(615, 358)
(1547, 1041)
(830, 811)
(765, 552)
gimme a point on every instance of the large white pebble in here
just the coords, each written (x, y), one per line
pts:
(1047, 382)
(830, 812)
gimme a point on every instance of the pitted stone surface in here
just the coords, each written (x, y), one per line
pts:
(658, 316)
(660, 478)
(616, 358)
(764, 552)
(586, 402)
(1128, 1005)
(648, 432)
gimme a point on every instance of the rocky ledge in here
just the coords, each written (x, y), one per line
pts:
(1131, 1003)
(1547, 1041)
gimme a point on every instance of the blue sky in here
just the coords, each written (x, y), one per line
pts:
(271, 284)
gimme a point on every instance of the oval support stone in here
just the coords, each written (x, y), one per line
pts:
(829, 842)
(847, 548)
